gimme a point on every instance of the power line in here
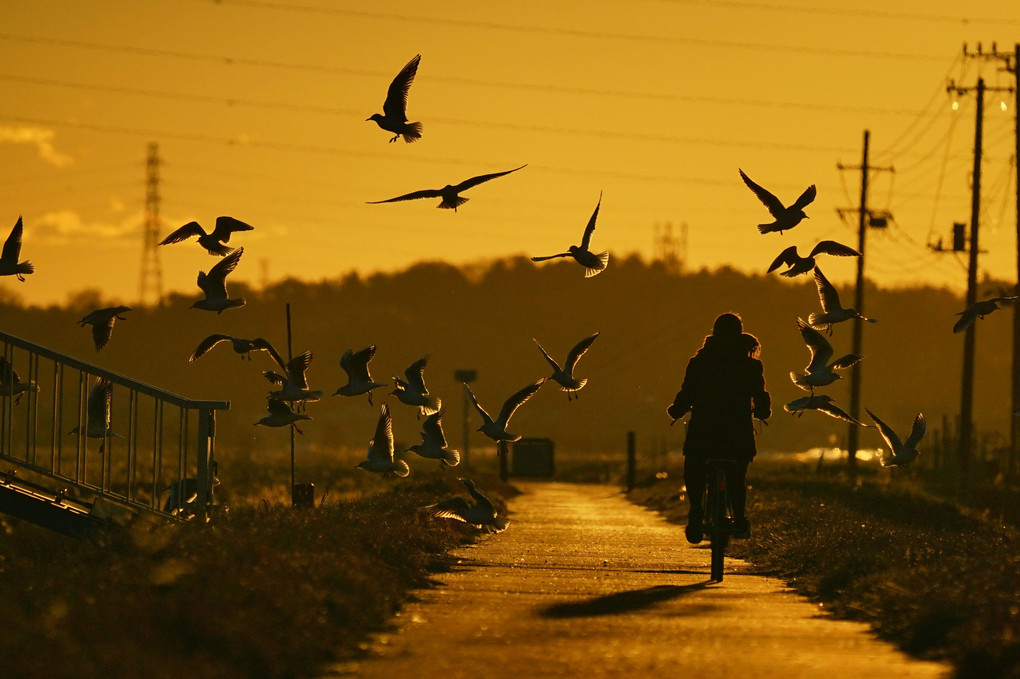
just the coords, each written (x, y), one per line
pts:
(573, 32)
(847, 11)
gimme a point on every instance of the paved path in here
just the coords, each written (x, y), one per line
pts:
(585, 584)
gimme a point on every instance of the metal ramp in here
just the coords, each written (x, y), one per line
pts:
(70, 471)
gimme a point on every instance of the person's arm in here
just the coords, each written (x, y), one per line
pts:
(759, 397)
(682, 403)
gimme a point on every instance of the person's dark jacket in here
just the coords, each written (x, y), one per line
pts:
(723, 388)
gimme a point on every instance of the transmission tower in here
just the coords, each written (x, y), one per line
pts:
(150, 287)
(669, 249)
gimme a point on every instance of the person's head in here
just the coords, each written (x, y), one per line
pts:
(728, 332)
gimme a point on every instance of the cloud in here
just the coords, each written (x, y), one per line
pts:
(40, 137)
(66, 226)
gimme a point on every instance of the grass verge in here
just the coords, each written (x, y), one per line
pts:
(936, 580)
(265, 591)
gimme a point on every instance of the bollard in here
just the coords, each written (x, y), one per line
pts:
(631, 461)
(502, 451)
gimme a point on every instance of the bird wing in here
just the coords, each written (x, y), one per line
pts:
(263, 343)
(450, 508)
(590, 229)
(575, 354)
(296, 368)
(228, 225)
(826, 293)
(511, 405)
(278, 408)
(774, 205)
(274, 377)
(831, 247)
(356, 364)
(395, 105)
(414, 195)
(185, 232)
(805, 198)
(382, 442)
(12, 246)
(967, 317)
(888, 435)
(545, 353)
(102, 332)
(821, 350)
(216, 279)
(475, 181)
(98, 405)
(415, 374)
(833, 410)
(540, 259)
(479, 408)
(207, 344)
(848, 361)
(916, 432)
(433, 428)
(788, 257)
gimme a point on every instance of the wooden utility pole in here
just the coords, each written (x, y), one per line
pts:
(863, 220)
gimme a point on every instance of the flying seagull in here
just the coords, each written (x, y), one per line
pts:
(819, 372)
(433, 442)
(496, 429)
(280, 415)
(978, 310)
(899, 453)
(481, 514)
(102, 321)
(832, 312)
(97, 413)
(449, 194)
(212, 242)
(359, 380)
(822, 404)
(565, 377)
(785, 217)
(9, 264)
(593, 264)
(394, 115)
(380, 449)
(214, 285)
(413, 392)
(11, 384)
(799, 265)
(241, 346)
(294, 384)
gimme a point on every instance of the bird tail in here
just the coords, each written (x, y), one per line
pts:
(457, 202)
(800, 379)
(412, 132)
(402, 469)
(452, 457)
(816, 320)
(766, 228)
(500, 524)
(580, 383)
(25, 267)
(603, 263)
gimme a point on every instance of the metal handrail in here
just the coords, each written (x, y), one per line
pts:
(142, 387)
(140, 477)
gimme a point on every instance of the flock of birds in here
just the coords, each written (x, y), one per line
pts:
(289, 391)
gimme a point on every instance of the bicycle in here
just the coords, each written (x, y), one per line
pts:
(718, 522)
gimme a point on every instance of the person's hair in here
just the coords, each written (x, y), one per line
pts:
(728, 335)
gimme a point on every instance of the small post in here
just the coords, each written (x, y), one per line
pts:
(466, 376)
(502, 452)
(631, 461)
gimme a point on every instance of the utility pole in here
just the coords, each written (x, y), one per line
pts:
(151, 280)
(966, 434)
(864, 219)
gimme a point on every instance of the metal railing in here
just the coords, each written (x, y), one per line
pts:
(154, 453)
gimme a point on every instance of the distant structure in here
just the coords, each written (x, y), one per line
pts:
(150, 286)
(669, 249)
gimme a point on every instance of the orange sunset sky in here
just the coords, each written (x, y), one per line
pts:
(259, 111)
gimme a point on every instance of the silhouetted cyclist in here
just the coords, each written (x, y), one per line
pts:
(724, 387)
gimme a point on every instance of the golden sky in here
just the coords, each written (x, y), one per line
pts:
(259, 111)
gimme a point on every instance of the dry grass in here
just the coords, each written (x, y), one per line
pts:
(265, 591)
(939, 580)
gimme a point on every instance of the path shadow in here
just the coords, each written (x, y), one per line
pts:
(622, 602)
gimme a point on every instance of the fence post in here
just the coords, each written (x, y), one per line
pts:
(206, 432)
(631, 461)
(502, 452)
